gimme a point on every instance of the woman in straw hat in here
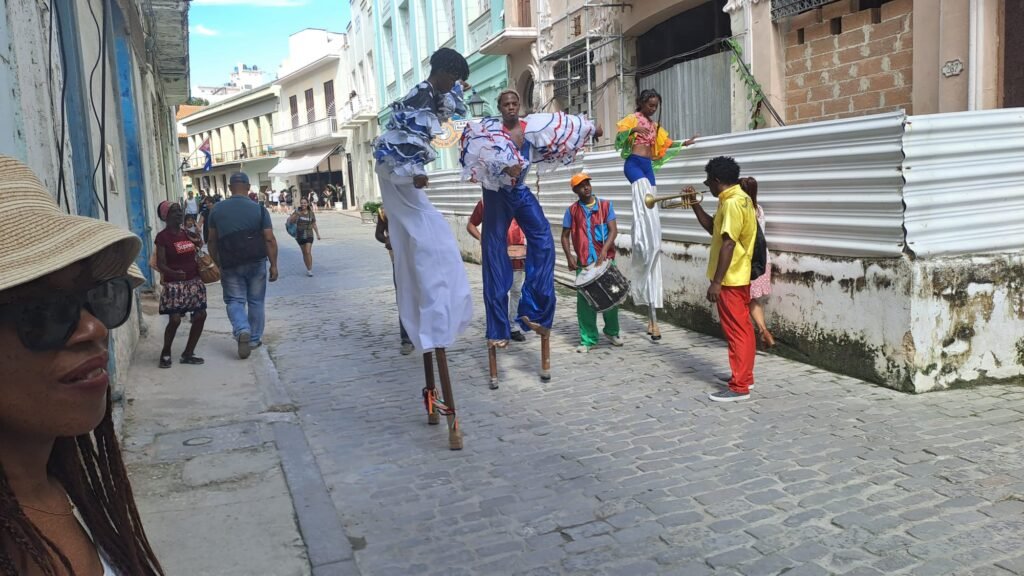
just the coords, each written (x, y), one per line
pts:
(66, 505)
(183, 290)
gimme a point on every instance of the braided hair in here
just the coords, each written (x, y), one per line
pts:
(91, 469)
(645, 95)
(451, 62)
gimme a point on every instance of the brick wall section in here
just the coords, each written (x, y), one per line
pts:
(864, 69)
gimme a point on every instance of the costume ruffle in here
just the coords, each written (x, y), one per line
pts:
(557, 137)
(487, 150)
(554, 140)
(663, 150)
(415, 120)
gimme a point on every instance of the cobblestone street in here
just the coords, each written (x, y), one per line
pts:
(620, 464)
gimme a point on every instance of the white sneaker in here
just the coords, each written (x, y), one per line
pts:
(615, 340)
(309, 273)
(583, 349)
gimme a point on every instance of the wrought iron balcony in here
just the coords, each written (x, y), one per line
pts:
(357, 110)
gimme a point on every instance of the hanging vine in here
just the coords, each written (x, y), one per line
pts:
(755, 94)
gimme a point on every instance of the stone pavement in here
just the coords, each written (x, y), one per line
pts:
(620, 464)
(200, 446)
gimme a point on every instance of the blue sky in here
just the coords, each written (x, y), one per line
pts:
(223, 33)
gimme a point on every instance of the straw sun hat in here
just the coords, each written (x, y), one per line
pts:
(37, 239)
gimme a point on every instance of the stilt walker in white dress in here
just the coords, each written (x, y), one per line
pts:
(434, 301)
(645, 146)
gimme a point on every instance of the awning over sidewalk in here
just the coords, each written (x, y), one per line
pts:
(302, 163)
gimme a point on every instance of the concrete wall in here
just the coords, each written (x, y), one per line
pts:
(841, 63)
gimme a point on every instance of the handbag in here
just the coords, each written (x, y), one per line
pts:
(208, 270)
(292, 228)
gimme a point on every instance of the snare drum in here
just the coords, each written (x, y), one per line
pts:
(604, 287)
(517, 252)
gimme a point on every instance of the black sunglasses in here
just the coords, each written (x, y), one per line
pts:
(47, 322)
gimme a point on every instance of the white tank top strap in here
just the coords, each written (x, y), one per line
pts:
(108, 570)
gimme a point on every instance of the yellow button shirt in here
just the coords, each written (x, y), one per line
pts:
(737, 218)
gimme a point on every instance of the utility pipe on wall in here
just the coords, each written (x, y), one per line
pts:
(974, 35)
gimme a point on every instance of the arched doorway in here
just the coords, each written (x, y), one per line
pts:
(526, 86)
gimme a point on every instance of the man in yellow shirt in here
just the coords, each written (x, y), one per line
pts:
(733, 232)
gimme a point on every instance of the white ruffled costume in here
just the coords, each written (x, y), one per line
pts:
(434, 300)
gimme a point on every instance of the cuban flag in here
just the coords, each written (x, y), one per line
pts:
(205, 149)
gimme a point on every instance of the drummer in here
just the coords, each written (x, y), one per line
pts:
(517, 254)
(590, 224)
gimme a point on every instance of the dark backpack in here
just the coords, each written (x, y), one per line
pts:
(243, 246)
(760, 257)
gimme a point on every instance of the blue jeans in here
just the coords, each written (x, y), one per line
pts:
(246, 285)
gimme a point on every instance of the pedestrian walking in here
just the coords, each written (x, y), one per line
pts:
(733, 232)
(183, 290)
(275, 197)
(204, 217)
(381, 233)
(517, 254)
(263, 197)
(304, 220)
(645, 146)
(590, 225)
(67, 505)
(241, 242)
(191, 206)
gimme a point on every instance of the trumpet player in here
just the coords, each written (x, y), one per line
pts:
(645, 145)
(733, 231)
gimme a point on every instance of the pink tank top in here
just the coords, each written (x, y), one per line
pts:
(645, 123)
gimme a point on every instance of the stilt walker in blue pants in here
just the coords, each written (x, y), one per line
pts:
(498, 153)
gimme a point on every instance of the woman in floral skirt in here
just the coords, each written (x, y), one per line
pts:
(183, 290)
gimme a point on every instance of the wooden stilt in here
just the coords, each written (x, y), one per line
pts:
(545, 356)
(454, 432)
(492, 359)
(545, 347)
(430, 392)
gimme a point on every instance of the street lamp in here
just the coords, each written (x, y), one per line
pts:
(477, 106)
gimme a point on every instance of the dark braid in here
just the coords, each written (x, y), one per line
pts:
(91, 469)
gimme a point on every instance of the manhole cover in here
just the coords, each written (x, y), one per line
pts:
(198, 441)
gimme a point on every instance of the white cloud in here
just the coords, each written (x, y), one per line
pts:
(259, 3)
(204, 31)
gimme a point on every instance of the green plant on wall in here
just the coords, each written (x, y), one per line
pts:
(755, 94)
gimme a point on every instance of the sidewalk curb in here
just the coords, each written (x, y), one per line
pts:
(327, 545)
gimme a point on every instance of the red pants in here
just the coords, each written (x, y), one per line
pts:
(734, 314)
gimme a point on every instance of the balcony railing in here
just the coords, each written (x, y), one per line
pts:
(355, 109)
(316, 130)
(197, 159)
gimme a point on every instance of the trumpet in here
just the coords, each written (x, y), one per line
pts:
(685, 199)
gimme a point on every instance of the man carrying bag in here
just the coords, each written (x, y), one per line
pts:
(241, 242)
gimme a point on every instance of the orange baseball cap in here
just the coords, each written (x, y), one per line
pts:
(579, 179)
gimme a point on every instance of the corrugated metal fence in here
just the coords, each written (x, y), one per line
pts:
(701, 95)
(964, 188)
(835, 188)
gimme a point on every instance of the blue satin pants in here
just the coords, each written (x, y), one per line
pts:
(538, 300)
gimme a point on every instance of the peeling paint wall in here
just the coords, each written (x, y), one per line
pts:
(968, 321)
(28, 71)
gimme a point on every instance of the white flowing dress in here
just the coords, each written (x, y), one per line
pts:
(434, 301)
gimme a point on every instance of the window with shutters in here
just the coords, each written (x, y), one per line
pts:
(293, 103)
(310, 110)
(329, 97)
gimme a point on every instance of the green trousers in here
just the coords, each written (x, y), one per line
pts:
(587, 318)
